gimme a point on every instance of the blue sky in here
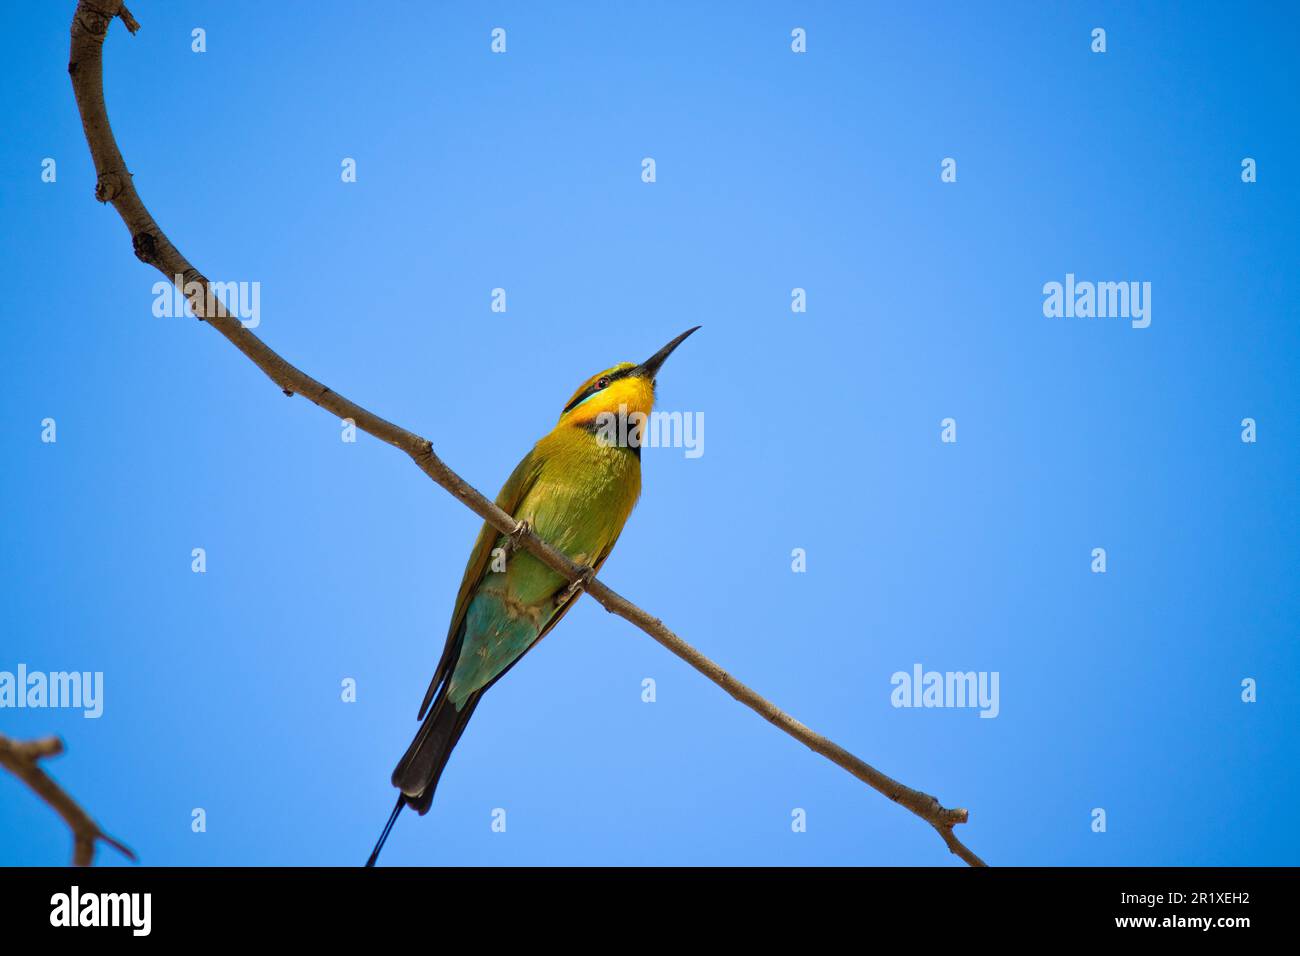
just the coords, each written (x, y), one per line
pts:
(774, 170)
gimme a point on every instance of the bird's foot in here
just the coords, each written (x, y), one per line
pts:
(577, 585)
(515, 538)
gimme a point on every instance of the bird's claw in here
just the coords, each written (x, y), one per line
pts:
(578, 584)
(515, 538)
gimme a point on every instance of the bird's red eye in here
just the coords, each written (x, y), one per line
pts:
(603, 383)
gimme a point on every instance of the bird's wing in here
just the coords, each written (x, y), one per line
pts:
(519, 483)
(555, 618)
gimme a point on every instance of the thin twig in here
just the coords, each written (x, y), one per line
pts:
(89, 27)
(21, 758)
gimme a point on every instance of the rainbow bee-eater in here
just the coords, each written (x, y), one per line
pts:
(575, 489)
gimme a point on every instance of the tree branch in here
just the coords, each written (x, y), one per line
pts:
(21, 759)
(89, 27)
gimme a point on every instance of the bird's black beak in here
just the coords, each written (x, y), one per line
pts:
(650, 367)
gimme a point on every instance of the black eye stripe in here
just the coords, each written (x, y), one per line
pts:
(580, 398)
(604, 382)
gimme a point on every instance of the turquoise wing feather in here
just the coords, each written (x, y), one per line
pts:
(512, 493)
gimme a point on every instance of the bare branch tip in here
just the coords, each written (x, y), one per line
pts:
(37, 749)
(22, 758)
(955, 817)
(119, 846)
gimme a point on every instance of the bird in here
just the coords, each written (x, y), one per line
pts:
(575, 489)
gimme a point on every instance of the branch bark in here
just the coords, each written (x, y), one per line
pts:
(89, 27)
(21, 759)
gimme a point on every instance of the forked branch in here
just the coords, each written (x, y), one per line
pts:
(21, 758)
(89, 27)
